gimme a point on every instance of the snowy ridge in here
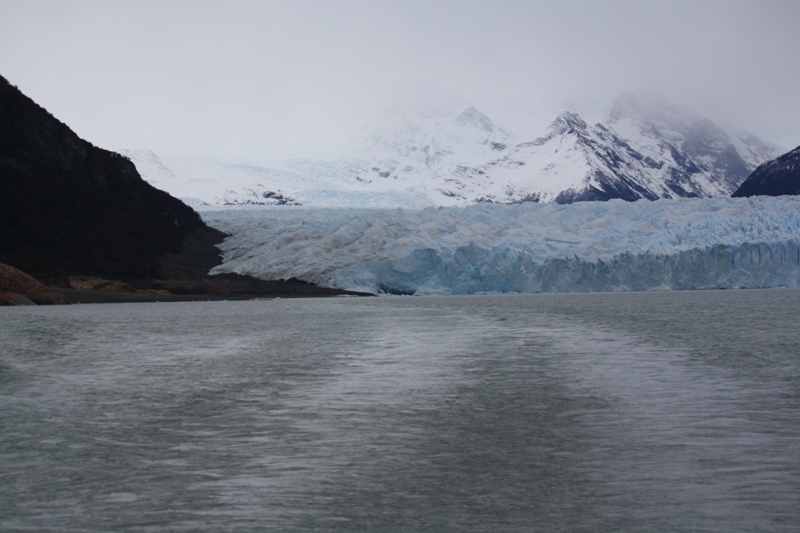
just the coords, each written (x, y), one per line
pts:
(200, 182)
(774, 178)
(753, 150)
(588, 246)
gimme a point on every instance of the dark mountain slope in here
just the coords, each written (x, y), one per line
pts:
(774, 178)
(68, 207)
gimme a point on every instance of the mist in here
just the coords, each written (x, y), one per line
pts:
(254, 81)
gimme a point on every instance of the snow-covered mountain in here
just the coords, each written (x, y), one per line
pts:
(778, 177)
(449, 153)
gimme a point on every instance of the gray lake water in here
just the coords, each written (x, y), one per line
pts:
(668, 411)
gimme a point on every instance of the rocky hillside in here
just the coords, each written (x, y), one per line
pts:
(774, 178)
(70, 208)
(18, 288)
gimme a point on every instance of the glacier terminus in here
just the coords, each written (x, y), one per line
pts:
(706, 243)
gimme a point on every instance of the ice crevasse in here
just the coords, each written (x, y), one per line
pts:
(490, 248)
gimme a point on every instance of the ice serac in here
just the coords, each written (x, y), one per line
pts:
(530, 247)
(774, 178)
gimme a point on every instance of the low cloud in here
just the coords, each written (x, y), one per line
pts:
(258, 80)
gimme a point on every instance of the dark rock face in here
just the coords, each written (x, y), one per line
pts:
(774, 178)
(70, 208)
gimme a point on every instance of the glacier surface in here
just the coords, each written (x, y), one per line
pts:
(707, 243)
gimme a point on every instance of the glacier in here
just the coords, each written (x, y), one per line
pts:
(709, 243)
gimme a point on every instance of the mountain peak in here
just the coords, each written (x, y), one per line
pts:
(473, 117)
(567, 121)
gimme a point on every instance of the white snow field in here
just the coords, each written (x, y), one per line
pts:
(711, 243)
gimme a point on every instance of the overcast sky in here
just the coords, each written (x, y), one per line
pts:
(259, 79)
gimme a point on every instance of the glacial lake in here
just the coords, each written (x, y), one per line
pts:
(658, 411)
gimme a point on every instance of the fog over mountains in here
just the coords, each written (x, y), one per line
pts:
(447, 152)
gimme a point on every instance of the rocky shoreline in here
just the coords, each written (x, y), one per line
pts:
(19, 288)
(101, 297)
